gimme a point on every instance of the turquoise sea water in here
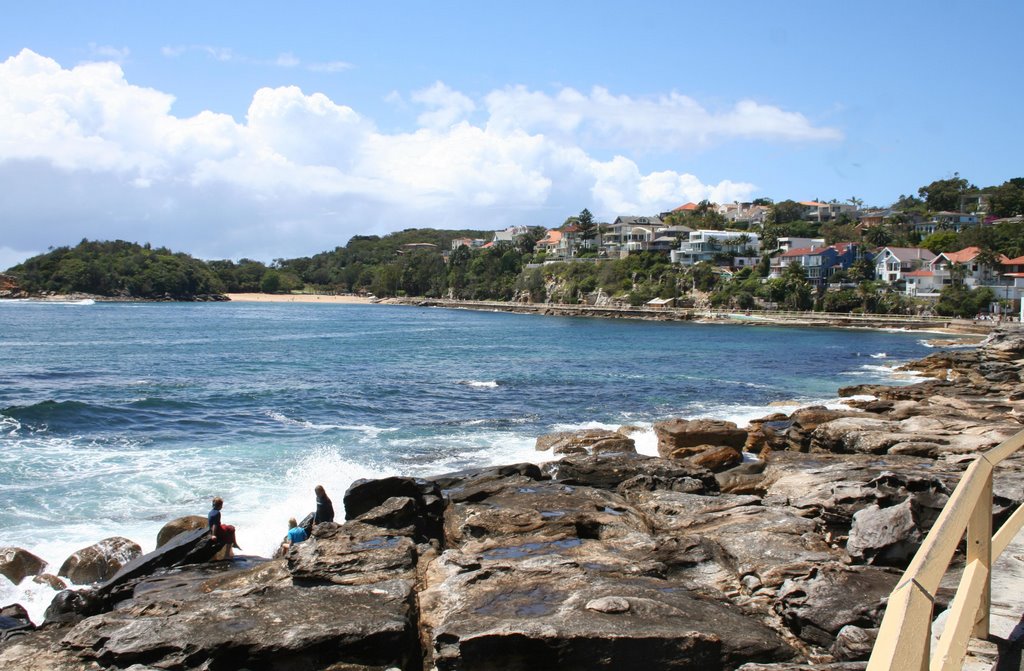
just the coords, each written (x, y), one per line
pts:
(117, 417)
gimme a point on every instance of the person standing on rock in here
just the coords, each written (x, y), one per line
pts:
(222, 533)
(324, 507)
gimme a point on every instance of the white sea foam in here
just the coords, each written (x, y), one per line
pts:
(371, 431)
(880, 355)
(489, 384)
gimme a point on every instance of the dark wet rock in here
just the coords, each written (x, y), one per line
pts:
(364, 495)
(50, 580)
(190, 547)
(254, 625)
(352, 554)
(587, 441)
(815, 608)
(99, 561)
(14, 621)
(17, 564)
(179, 526)
(398, 512)
(854, 643)
(477, 476)
(611, 471)
(71, 606)
(680, 433)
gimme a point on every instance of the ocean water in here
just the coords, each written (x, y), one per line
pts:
(118, 417)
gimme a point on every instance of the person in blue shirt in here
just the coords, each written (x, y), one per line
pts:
(296, 534)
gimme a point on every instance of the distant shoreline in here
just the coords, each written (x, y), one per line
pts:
(300, 298)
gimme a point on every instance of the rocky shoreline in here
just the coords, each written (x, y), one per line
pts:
(700, 558)
(700, 315)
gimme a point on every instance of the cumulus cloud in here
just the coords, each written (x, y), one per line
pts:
(86, 153)
(445, 107)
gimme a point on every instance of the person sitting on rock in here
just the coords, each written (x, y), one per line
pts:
(324, 507)
(296, 534)
(222, 533)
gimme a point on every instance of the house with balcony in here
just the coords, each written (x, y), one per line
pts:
(946, 221)
(707, 245)
(630, 234)
(815, 211)
(740, 213)
(892, 263)
(819, 263)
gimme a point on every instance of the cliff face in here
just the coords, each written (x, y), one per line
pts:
(9, 287)
(601, 559)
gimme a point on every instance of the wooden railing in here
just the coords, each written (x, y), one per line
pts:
(904, 639)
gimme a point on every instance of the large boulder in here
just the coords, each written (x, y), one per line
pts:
(100, 561)
(17, 564)
(180, 526)
(365, 495)
(588, 441)
(352, 554)
(680, 433)
(887, 536)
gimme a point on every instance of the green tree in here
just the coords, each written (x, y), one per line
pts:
(941, 241)
(944, 194)
(271, 282)
(786, 211)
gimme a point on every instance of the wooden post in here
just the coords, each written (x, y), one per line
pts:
(979, 548)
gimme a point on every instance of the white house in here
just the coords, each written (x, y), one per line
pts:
(705, 245)
(893, 262)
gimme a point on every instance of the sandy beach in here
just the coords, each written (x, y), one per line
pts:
(299, 298)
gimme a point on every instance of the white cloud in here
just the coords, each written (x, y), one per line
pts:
(110, 53)
(287, 60)
(446, 106)
(214, 52)
(85, 153)
(670, 121)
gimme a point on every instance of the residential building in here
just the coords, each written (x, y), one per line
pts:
(786, 244)
(551, 242)
(819, 263)
(509, 234)
(891, 263)
(472, 243)
(706, 245)
(630, 234)
(748, 213)
(974, 272)
(946, 221)
(815, 211)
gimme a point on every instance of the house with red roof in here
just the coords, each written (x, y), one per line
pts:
(819, 263)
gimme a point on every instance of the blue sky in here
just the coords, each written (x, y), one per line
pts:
(254, 129)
